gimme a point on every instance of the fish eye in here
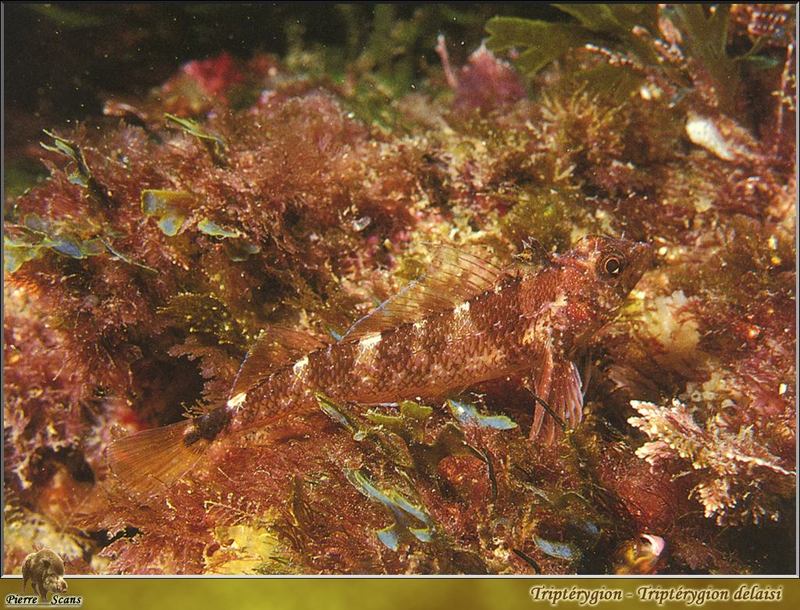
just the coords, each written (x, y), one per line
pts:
(612, 265)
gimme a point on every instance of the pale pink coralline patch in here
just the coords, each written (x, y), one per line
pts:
(485, 82)
(214, 75)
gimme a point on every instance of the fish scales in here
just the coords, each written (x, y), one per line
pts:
(423, 344)
(473, 342)
(478, 340)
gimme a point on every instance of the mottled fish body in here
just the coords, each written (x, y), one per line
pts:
(475, 341)
(464, 322)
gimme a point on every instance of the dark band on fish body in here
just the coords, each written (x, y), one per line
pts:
(208, 426)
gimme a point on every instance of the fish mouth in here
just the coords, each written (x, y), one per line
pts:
(641, 254)
(641, 258)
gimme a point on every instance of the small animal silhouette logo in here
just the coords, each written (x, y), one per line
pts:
(45, 570)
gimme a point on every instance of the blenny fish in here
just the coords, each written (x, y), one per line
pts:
(465, 321)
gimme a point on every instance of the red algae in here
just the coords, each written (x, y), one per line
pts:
(243, 195)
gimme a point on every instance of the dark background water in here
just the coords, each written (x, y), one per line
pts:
(63, 58)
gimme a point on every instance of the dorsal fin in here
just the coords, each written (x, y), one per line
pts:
(453, 277)
(274, 347)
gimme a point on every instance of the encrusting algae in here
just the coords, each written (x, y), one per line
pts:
(334, 313)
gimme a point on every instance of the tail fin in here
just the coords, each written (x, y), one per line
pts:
(149, 461)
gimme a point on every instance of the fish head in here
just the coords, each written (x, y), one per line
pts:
(608, 267)
(591, 282)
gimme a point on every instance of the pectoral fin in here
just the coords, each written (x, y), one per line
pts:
(558, 383)
(542, 380)
(566, 395)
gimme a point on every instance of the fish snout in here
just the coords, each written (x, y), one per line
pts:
(641, 257)
(643, 254)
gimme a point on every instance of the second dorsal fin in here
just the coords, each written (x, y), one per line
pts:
(454, 276)
(275, 347)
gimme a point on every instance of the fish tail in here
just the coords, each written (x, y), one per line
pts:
(150, 461)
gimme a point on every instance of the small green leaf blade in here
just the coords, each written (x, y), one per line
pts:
(468, 414)
(169, 208)
(16, 253)
(544, 41)
(559, 550)
(209, 227)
